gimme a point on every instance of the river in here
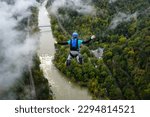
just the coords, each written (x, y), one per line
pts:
(61, 86)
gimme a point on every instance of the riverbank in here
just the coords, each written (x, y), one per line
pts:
(62, 87)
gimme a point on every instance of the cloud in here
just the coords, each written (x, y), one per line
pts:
(112, 1)
(81, 6)
(122, 17)
(15, 48)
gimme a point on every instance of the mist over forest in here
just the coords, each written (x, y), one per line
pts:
(122, 29)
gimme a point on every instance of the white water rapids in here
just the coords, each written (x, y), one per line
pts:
(62, 88)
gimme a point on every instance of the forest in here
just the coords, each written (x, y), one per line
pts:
(23, 86)
(122, 28)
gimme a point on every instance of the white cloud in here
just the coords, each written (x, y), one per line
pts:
(122, 17)
(80, 6)
(15, 49)
(112, 1)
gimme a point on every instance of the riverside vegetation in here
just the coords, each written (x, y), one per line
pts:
(124, 70)
(22, 89)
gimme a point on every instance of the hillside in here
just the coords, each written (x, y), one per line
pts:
(122, 28)
(21, 77)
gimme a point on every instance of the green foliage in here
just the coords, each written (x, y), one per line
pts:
(41, 83)
(34, 20)
(123, 73)
(21, 90)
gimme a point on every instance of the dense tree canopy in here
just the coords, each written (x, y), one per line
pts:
(123, 72)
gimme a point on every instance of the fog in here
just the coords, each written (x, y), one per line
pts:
(122, 17)
(81, 6)
(15, 48)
